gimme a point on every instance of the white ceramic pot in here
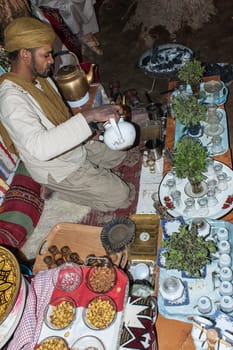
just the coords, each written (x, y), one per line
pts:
(119, 136)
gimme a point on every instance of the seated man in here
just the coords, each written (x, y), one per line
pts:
(55, 147)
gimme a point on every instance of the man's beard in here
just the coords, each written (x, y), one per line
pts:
(45, 74)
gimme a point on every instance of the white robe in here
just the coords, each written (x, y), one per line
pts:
(79, 15)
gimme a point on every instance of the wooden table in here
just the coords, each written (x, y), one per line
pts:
(173, 334)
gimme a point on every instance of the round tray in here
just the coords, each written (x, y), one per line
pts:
(10, 281)
(165, 61)
(117, 234)
(216, 212)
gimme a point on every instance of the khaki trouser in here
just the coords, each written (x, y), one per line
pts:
(93, 184)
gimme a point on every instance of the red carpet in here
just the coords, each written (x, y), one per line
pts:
(129, 171)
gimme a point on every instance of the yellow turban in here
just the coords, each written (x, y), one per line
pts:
(27, 33)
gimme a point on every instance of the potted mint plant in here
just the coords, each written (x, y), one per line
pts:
(190, 159)
(191, 73)
(186, 251)
(189, 112)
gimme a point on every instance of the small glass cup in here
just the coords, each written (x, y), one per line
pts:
(189, 209)
(203, 206)
(218, 168)
(217, 146)
(210, 166)
(211, 196)
(171, 185)
(222, 181)
(176, 197)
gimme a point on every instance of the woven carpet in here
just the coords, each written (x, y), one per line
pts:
(129, 171)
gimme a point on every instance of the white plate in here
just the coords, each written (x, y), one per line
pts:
(214, 212)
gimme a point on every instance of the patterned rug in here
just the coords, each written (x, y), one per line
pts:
(129, 171)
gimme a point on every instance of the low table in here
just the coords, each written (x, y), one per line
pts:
(172, 334)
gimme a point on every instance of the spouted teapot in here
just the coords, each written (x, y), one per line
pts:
(119, 135)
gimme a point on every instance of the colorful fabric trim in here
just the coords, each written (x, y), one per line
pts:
(21, 209)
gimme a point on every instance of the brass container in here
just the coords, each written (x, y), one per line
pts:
(72, 81)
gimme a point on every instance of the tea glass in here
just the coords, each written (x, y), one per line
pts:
(171, 185)
(210, 166)
(176, 197)
(212, 200)
(203, 206)
(218, 168)
(222, 181)
(189, 209)
(217, 146)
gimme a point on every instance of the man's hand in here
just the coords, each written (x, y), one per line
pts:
(103, 113)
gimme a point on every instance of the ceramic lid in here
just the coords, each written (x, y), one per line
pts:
(10, 281)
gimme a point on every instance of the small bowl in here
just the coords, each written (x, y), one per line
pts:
(100, 312)
(60, 313)
(101, 279)
(53, 343)
(67, 277)
(88, 342)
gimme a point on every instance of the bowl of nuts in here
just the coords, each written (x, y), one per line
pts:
(60, 313)
(67, 277)
(101, 279)
(100, 312)
(53, 343)
(88, 342)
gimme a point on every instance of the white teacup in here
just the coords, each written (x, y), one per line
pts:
(140, 272)
(226, 274)
(222, 234)
(224, 260)
(204, 305)
(226, 288)
(224, 246)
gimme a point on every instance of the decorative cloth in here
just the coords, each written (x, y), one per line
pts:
(28, 33)
(49, 100)
(21, 209)
(139, 324)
